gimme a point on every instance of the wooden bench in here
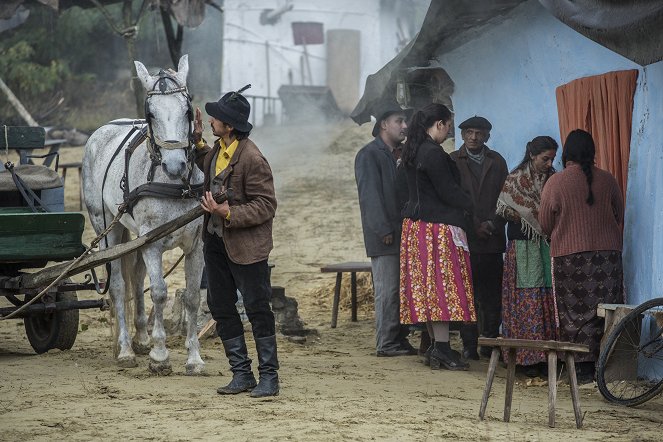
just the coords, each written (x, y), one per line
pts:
(607, 311)
(346, 267)
(79, 167)
(550, 348)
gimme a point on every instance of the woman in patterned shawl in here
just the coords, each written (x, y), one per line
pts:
(528, 306)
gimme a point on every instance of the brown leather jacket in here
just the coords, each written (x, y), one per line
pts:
(248, 233)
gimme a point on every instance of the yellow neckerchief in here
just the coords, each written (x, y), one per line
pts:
(225, 154)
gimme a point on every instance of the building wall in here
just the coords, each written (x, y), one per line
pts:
(643, 225)
(245, 59)
(509, 76)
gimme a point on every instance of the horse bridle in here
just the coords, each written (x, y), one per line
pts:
(155, 143)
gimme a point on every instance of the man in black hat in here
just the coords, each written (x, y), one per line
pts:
(482, 172)
(238, 238)
(375, 173)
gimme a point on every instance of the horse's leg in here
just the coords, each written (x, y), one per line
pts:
(193, 267)
(136, 268)
(159, 361)
(125, 357)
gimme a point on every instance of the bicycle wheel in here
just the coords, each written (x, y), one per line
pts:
(630, 367)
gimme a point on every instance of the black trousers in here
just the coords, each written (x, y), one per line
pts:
(224, 278)
(487, 269)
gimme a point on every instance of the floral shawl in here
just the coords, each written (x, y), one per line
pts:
(522, 194)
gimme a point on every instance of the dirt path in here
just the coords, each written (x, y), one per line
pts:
(333, 387)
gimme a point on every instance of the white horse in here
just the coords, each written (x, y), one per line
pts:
(166, 152)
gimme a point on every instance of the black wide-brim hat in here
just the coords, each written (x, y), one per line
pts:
(232, 109)
(386, 109)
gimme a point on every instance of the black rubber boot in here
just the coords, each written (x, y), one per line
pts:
(240, 365)
(470, 335)
(443, 357)
(268, 364)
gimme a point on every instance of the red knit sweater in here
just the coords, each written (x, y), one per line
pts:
(573, 225)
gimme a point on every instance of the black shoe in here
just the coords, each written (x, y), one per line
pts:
(443, 357)
(240, 383)
(471, 353)
(268, 364)
(391, 353)
(411, 351)
(425, 358)
(531, 371)
(486, 352)
(240, 365)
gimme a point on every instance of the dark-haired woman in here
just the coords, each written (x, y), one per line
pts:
(582, 211)
(528, 306)
(436, 279)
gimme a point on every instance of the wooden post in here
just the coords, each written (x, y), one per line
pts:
(17, 104)
(571, 367)
(353, 294)
(494, 356)
(552, 386)
(510, 378)
(337, 298)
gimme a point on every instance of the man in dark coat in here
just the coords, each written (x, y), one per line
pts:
(482, 173)
(375, 173)
(238, 238)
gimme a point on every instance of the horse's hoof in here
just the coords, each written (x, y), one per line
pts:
(162, 368)
(127, 362)
(139, 348)
(194, 369)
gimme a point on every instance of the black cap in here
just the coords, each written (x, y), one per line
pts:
(476, 122)
(385, 109)
(232, 109)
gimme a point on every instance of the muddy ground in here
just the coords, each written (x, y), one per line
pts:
(332, 387)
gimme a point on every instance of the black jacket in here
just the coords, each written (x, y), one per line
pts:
(375, 172)
(433, 188)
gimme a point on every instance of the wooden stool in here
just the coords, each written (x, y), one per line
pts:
(346, 267)
(550, 348)
(79, 167)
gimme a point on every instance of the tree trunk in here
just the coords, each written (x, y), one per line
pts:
(130, 40)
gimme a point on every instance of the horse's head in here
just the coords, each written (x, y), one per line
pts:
(168, 114)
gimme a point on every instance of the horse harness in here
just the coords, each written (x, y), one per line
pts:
(142, 131)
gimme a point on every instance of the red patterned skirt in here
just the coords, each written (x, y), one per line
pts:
(436, 277)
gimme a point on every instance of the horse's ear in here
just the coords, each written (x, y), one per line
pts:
(143, 75)
(183, 69)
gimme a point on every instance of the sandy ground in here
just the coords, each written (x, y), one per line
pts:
(332, 387)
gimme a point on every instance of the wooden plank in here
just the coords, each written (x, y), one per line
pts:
(494, 357)
(98, 258)
(26, 237)
(575, 396)
(552, 386)
(510, 379)
(22, 137)
(601, 308)
(534, 344)
(347, 267)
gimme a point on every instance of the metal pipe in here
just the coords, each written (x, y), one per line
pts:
(41, 309)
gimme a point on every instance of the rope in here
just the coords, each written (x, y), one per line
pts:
(92, 245)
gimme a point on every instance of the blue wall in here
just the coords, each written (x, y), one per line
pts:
(643, 226)
(509, 75)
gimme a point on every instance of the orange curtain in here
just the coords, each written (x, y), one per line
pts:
(603, 106)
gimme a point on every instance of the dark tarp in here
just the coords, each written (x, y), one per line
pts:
(631, 28)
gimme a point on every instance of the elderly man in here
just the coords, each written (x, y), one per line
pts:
(375, 172)
(483, 172)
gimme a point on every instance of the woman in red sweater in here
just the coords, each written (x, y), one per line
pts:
(582, 212)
